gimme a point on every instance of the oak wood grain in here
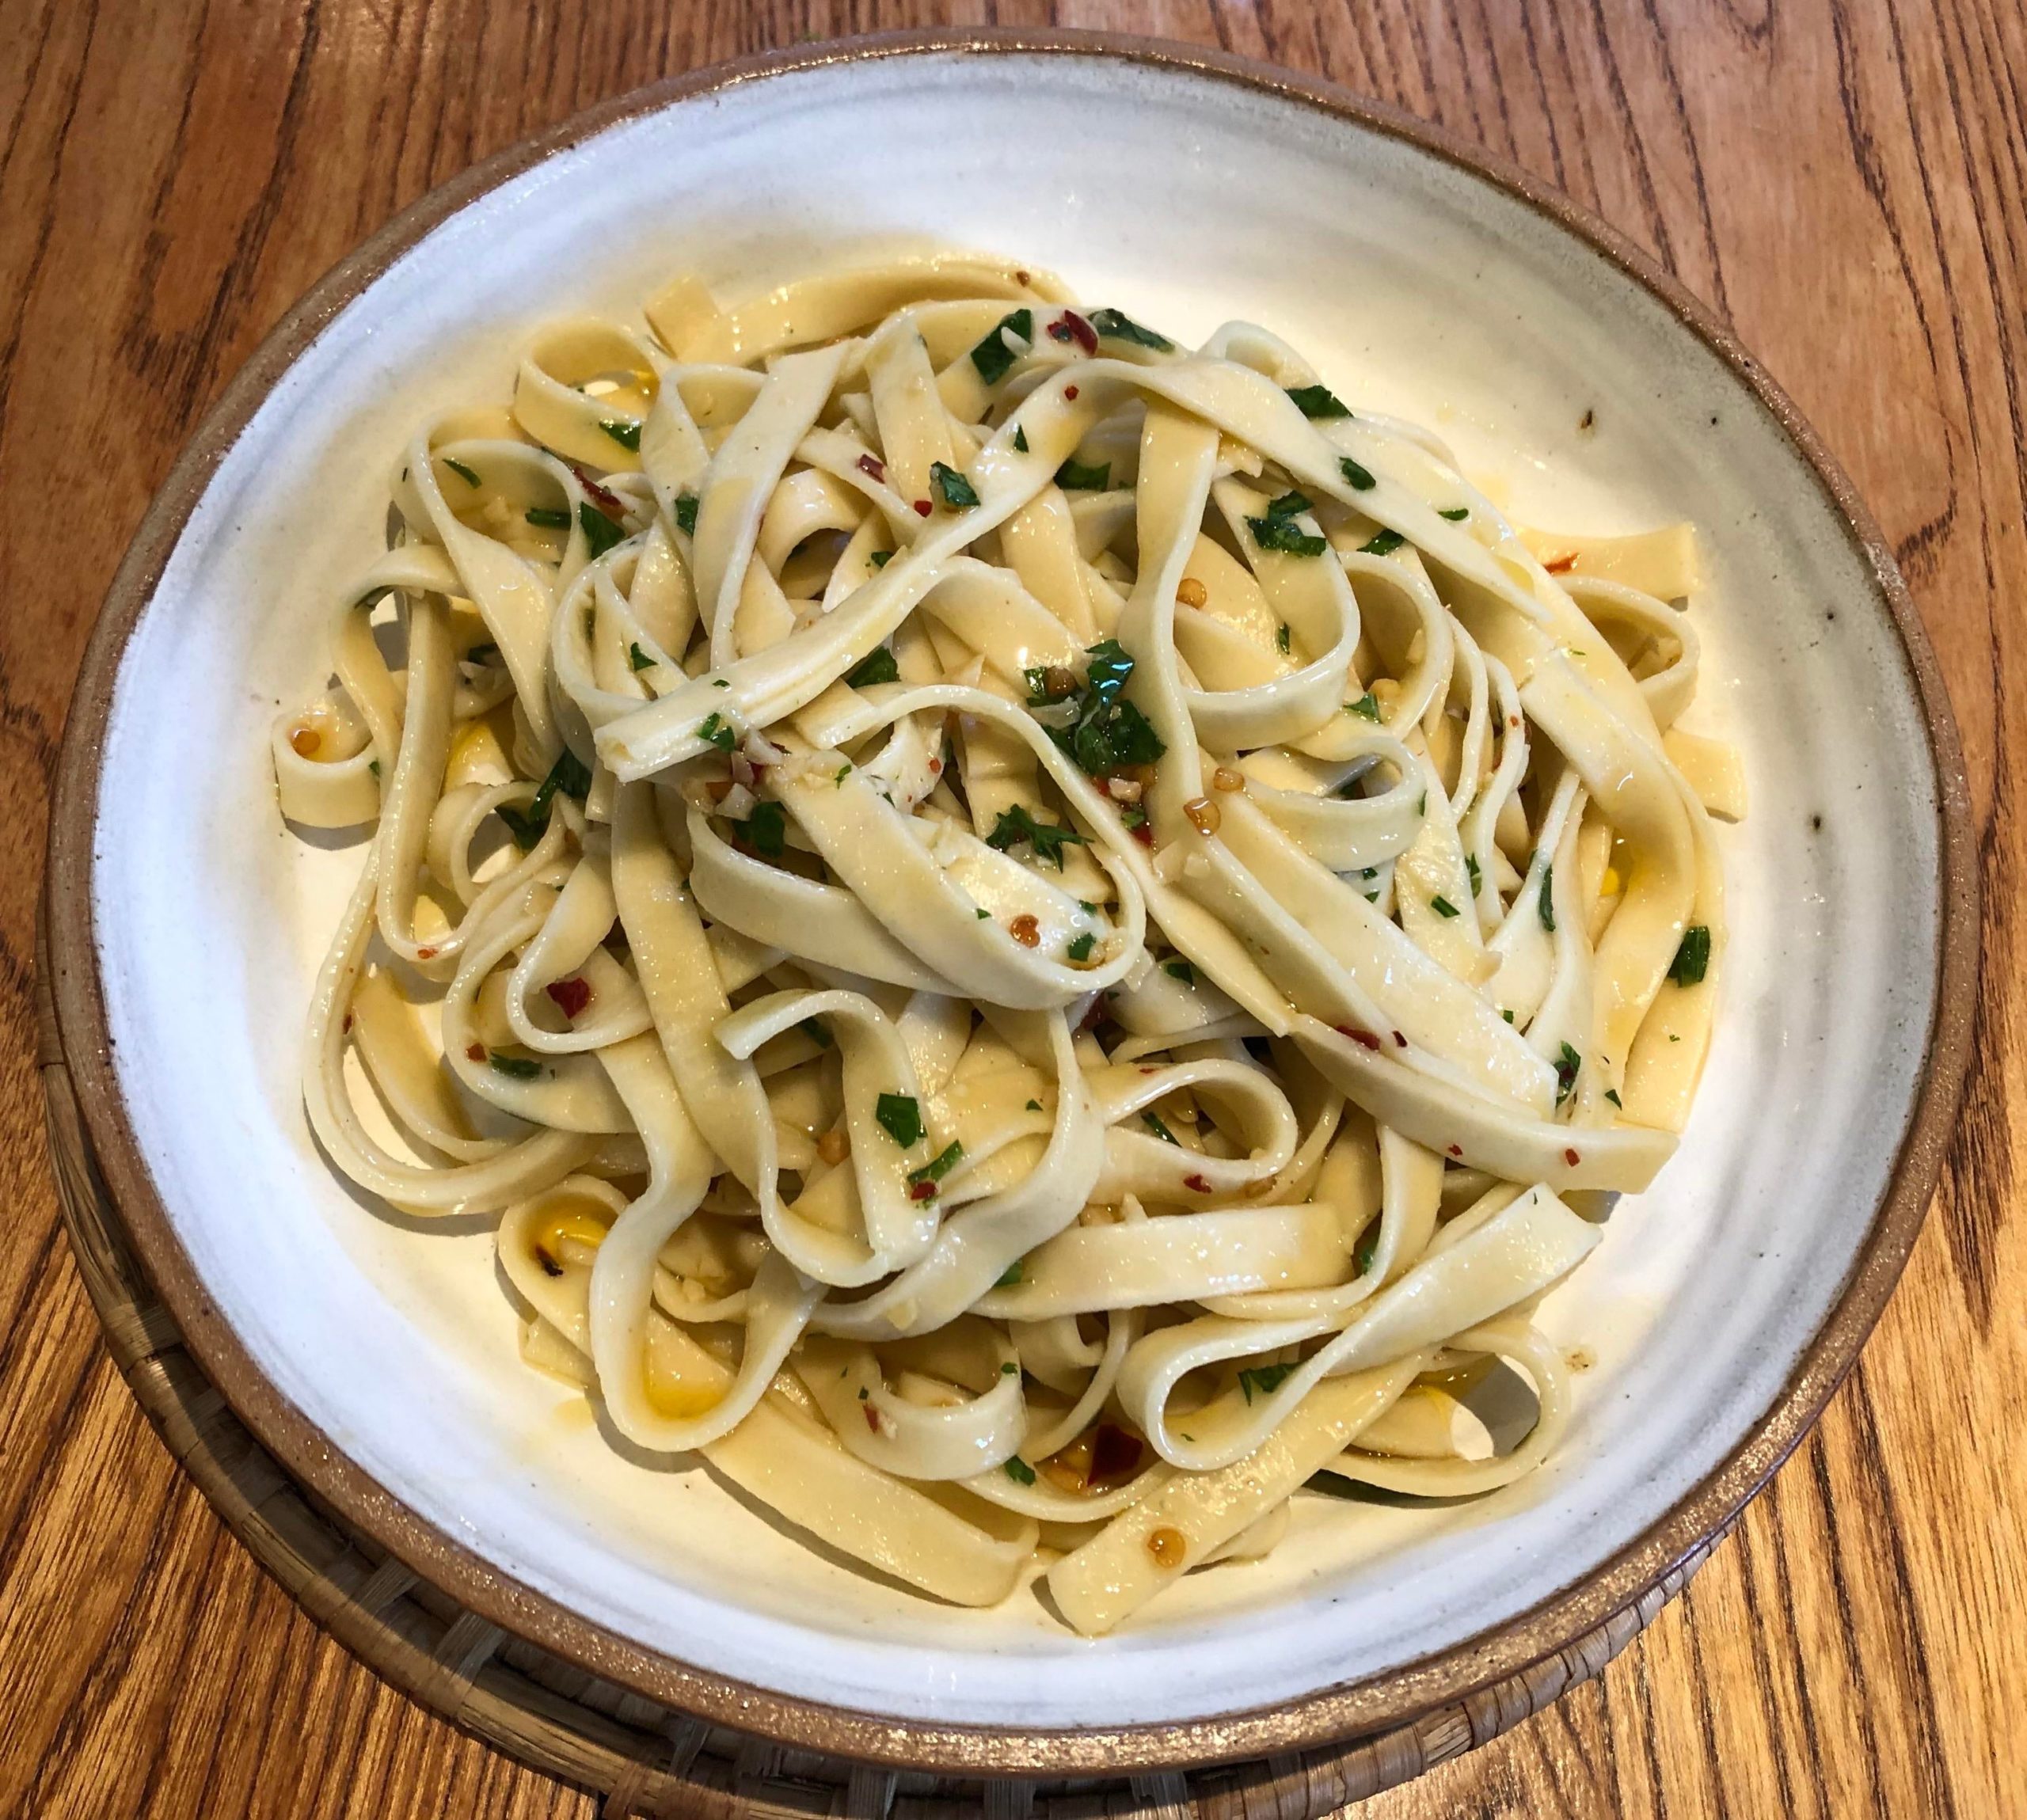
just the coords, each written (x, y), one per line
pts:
(1846, 181)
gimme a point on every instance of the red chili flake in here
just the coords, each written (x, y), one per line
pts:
(872, 464)
(1456, 1150)
(1144, 834)
(1561, 564)
(1020, 278)
(1146, 1071)
(425, 954)
(1115, 1453)
(608, 503)
(476, 1053)
(1081, 332)
(1070, 392)
(347, 1024)
(571, 995)
(922, 1190)
(1514, 722)
(1572, 1158)
(1197, 1184)
(923, 508)
(1364, 1039)
(871, 1417)
(936, 767)
(1400, 1040)
(1094, 1014)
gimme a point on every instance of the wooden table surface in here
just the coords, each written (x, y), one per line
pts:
(1845, 181)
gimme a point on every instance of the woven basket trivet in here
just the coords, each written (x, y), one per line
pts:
(643, 1758)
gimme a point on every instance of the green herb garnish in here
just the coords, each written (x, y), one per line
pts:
(951, 487)
(881, 558)
(567, 774)
(600, 532)
(516, 1067)
(463, 472)
(1471, 867)
(1612, 1093)
(639, 659)
(1567, 1062)
(548, 518)
(1081, 949)
(1546, 902)
(1284, 534)
(1073, 476)
(1266, 1379)
(1367, 704)
(900, 1118)
(876, 666)
(1020, 439)
(1281, 639)
(1016, 827)
(1692, 960)
(939, 1166)
(1367, 1249)
(1012, 1274)
(1318, 401)
(1382, 543)
(992, 357)
(1018, 1470)
(1358, 476)
(1456, 515)
(1160, 1131)
(1034, 1105)
(686, 513)
(713, 731)
(1110, 324)
(767, 829)
(1108, 732)
(1182, 970)
(1442, 906)
(627, 435)
(815, 1030)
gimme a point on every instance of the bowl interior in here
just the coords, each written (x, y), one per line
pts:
(1417, 287)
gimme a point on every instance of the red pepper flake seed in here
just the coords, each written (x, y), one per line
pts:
(922, 1190)
(1400, 1041)
(923, 508)
(608, 502)
(936, 767)
(1561, 566)
(871, 1417)
(1144, 834)
(476, 1053)
(1572, 1158)
(1020, 278)
(873, 466)
(1197, 1184)
(1070, 394)
(1025, 929)
(1456, 1150)
(571, 995)
(1364, 1039)
(425, 954)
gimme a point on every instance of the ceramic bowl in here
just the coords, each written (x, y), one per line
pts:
(377, 1360)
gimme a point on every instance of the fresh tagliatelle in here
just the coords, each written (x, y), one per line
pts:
(1039, 938)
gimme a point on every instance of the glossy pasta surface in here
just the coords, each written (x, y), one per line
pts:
(1040, 940)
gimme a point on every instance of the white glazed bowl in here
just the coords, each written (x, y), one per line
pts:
(377, 1359)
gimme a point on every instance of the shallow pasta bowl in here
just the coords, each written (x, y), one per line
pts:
(377, 1363)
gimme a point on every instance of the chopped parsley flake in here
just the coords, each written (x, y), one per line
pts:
(1281, 639)
(939, 1166)
(1019, 1471)
(1113, 327)
(1477, 879)
(1012, 1274)
(1612, 1093)
(639, 659)
(1442, 906)
(627, 435)
(600, 532)
(767, 829)
(1356, 475)
(1160, 1131)
(1567, 1062)
(876, 666)
(463, 472)
(685, 512)
(1107, 731)
(1278, 531)
(1266, 1379)
(548, 518)
(1034, 1105)
(815, 1029)
(1020, 439)
(1456, 515)
(881, 558)
(1073, 476)
(1367, 704)
(951, 487)
(1081, 949)
(992, 357)
(515, 1067)
(1368, 1249)
(1318, 401)
(567, 774)
(1016, 827)
(900, 1118)
(1546, 902)
(1182, 970)
(1692, 960)
(1382, 543)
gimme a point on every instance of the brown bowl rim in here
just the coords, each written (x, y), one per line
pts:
(1318, 1719)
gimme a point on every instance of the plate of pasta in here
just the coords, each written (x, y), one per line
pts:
(1032, 970)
